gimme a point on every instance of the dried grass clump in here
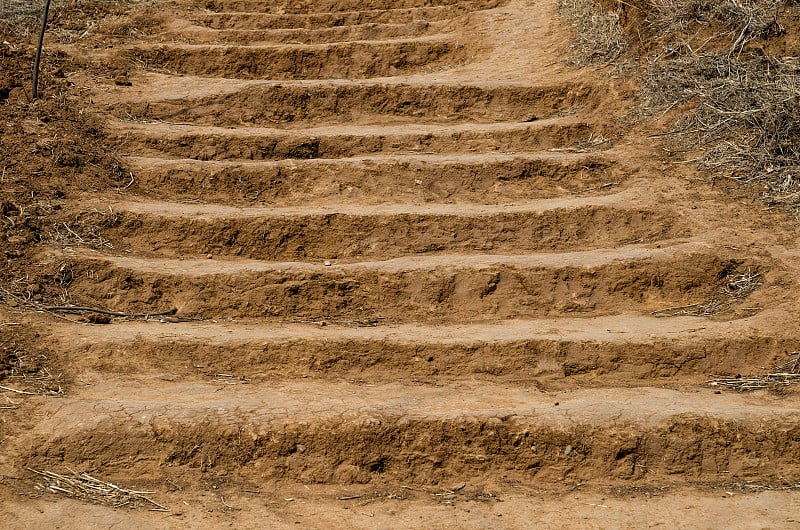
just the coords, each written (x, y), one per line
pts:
(599, 38)
(87, 488)
(739, 107)
(735, 285)
(781, 376)
(86, 228)
(72, 20)
(23, 373)
(20, 16)
(737, 21)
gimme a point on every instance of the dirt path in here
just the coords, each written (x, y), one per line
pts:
(423, 273)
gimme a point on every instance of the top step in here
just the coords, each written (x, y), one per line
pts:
(327, 6)
(249, 20)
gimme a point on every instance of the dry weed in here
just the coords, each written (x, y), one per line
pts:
(744, 116)
(736, 21)
(88, 488)
(739, 108)
(20, 17)
(86, 228)
(24, 373)
(735, 285)
(72, 20)
(598, 34)
(780, 376)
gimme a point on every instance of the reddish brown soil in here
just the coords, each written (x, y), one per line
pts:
(374, 264)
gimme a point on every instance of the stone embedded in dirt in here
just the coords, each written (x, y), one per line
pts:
(122, 80)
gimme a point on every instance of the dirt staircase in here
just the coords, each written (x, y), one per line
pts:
(407, 246)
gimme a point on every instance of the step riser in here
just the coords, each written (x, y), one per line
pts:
(371, 182)
(546, 364)
(332, 6)
(408, 450)
(345, 236)
(319, 36)
(346, 60)
(271, 105)
(326, 21)
(495, 292)
(294, 146)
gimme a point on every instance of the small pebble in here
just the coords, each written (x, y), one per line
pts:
(327, 263)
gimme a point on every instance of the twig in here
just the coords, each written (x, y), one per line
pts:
(18, 391)
(81, 309)
(79, 238)
(35, 89)
(222, 499)
(87, 487)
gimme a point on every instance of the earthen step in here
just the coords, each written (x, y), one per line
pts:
(326, 21)
(358, 32)
(626, 350)
(478, 505)
(331, 432)
(332, 6)
(430, 288)
(378, 231)
(484, 178)
(358, 59)
(260, 143)
(351, 103)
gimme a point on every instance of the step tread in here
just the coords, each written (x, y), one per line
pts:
(580, 259)
(213, 46)
(164, 129)
(627, 199)
(379, 158)
(293, 402)
(618, 328)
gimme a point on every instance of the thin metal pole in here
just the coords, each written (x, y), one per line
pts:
(35, 91)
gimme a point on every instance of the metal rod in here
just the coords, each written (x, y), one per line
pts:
(35, 90)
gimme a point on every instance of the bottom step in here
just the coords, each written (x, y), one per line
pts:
(475, 507)
(337, 432)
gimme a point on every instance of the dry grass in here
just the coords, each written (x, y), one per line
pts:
(598, 34)
(72, 20)
(85, 228)
(779, 377)
(735, 22)
(21, 16)
(739, 107)
(736, 108)
(85, 487)
(744, 117)
(23, 373)
(735, 285)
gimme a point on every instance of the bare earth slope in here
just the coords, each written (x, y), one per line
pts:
(395, 264)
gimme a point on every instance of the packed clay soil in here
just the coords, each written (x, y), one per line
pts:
(372, 264)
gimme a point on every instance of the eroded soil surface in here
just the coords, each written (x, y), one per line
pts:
(371, 264)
